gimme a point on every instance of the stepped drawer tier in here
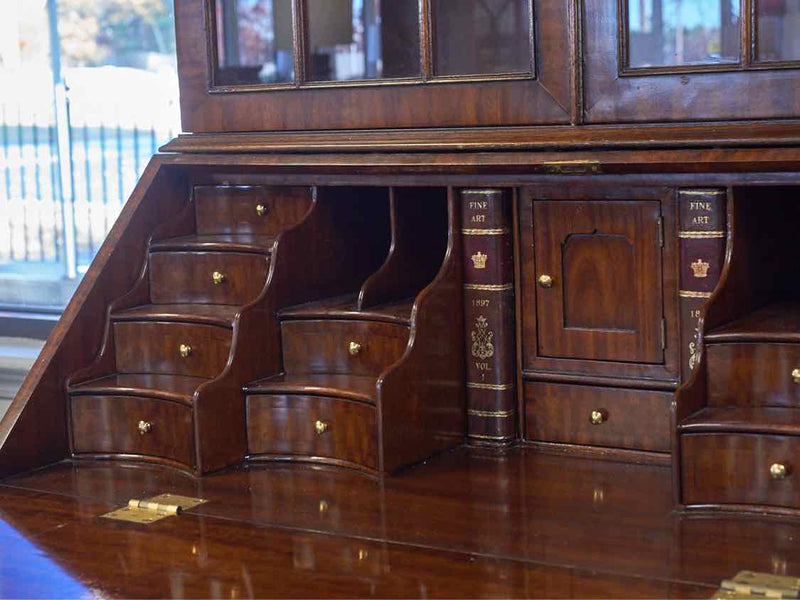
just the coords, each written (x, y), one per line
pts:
(130, 425)
(207, 277)
(740, 469)
(753, 374)
(342, 346)
(312, 427)
(610, 417)
(171, 348)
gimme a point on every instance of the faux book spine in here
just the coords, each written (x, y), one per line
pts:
(702, 251)
(489, 315)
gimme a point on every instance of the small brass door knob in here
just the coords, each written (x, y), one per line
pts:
(354, 348)
(597, 417)
(778, 471)
(217, 277)
(796, 376)
(546, 281)
(321, 427)
(261, 210)
(185, 350)
(144, 427)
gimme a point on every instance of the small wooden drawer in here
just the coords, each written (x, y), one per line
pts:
(753, 374)
(720, 468)
(171, 348)
(254, 210)
(312, 426)
(597, 416)
(207, 277)
(129, 425)
(342, 346)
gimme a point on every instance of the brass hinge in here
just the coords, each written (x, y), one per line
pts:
(153, 509)
(749, 584)
(660, 232)
(663, 333)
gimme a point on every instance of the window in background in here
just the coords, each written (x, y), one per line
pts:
(778, 30)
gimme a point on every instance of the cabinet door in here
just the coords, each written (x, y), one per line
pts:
(272, 65)
(599, 280)
(661, 60)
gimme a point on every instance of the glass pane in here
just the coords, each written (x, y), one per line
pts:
(683, 32)
(254, 42)
(477, 37)
(778, 30)
(363, 39)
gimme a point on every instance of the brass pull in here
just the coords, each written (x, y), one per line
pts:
(217, 277)
(321, 427)
(354, 348)
(185, 350)
(597, 417)
(546, 281)
(778, 471)
(796, 376)
(144, 427)
(261, 210)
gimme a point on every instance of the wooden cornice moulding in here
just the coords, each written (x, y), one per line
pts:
(786, 133)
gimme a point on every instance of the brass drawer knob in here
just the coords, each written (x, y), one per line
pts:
(261, 210)
(546, 281)
(796, 376)
(354, 348)
(185, 350)
(218, 277)
(778, 471)
(321, 427)
(597, 417)
(144, 427)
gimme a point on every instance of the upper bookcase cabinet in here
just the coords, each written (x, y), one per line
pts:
(272, 65)
(691, 60)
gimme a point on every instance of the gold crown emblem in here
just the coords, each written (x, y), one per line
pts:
(700, 268)
(479, 260)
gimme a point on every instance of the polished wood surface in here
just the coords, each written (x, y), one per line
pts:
(466, 524)
(346, 307)
(744, 419)
(632, 419)
(288, 425)
(177, 388)
(111, 425)
(353, 387)
(776, 322)
(325, 346)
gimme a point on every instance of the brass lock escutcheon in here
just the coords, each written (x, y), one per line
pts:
(796, 376)
(144, 427)
(185, 350)
(778, 471)
(597, 417)
(546, 281)
(354, 348)
(321, 427)
(217, 277)
(261, 210)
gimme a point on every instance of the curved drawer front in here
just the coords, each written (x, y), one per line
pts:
(741, 469)
(171, 348)
(207, 277)
(312, 426)
(129, 425)
(753, 374)
(341, 346)
(610, 417)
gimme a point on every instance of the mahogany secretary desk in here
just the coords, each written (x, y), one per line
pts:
(396, 227)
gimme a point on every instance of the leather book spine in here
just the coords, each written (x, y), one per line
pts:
(489, 316)
(702, 236)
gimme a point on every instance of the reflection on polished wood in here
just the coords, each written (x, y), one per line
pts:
(466, 524)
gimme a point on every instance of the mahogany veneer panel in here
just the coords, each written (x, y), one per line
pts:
(352, 387)
(633, 419)
(154, 347)
(346, 307)
(178, 388)
(109, 425)
(212, 314)
(220, 242)
(186, 277)
(722, 468)
(746, 419)
(285, 425)
(323, 346)
(776, 322)
(753, 374)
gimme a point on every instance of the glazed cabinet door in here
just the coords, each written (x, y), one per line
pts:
(660, 60)
(598, 274)
(272, 65)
